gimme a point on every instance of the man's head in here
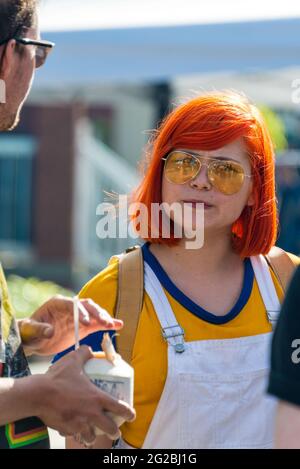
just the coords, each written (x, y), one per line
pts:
(18, 19)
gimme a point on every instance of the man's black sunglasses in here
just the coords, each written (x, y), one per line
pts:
(43, 48)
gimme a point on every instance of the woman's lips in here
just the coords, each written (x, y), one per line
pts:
(194, 203)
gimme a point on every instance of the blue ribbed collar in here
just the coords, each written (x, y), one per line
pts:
(188, 303)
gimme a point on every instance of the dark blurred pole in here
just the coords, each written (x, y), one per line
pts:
(161, 94)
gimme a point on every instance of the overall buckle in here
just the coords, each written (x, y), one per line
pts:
(167, 334)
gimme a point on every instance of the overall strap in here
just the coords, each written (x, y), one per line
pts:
(172, 332)
(266, 287)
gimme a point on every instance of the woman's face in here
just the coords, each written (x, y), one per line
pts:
(220, 210)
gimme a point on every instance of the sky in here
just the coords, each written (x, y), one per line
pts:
(62, 15)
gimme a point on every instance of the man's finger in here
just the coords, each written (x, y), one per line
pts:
(102, 316)
(88, 437)
(107, 426)
(117, 324)
(84, 316)
(120, 408)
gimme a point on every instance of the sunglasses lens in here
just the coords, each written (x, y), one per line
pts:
(40, 56)
(226, 176)
(181, 167)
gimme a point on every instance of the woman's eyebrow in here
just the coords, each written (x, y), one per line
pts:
(217, 157)
(227, 158)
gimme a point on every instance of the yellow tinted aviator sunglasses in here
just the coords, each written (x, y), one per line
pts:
(226, 176)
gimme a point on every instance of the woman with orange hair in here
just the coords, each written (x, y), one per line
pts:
(201, 384)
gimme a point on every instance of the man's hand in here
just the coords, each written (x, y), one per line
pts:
(51, 328)
(71, 404)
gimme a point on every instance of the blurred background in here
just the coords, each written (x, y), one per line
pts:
(118, 67)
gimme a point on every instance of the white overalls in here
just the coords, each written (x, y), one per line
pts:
(215, 391)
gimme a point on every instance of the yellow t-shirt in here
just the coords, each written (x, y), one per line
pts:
(248, 317)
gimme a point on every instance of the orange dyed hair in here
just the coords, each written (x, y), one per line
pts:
(209, 122)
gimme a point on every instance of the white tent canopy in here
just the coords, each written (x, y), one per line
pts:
(117, 41)
(63, 15)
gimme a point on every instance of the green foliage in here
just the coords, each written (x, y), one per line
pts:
(276, 128)
(27, 294)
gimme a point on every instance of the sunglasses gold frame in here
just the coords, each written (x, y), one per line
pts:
(210, 168)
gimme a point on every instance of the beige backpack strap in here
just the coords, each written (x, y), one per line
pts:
(130, 298)
(282, 266)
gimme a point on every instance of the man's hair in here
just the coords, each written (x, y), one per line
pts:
(15, 17)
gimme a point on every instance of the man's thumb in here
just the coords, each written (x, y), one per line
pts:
(31, 329)
(84, 353)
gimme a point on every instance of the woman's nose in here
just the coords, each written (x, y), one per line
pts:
(201, 181)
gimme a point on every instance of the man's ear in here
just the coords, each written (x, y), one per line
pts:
(8, 59)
